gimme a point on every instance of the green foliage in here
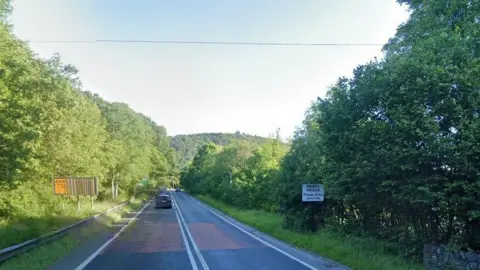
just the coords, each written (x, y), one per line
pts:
(186, 145)
(396, 146)
(5, 9)
(241, 173)
(50, 126)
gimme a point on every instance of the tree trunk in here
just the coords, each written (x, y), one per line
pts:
(113, 188)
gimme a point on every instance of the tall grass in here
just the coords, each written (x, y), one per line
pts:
(357, 253)
(44, 256)
(36, 211)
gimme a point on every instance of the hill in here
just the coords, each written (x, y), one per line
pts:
(186, 145)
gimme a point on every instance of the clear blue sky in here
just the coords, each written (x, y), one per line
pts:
(211, 88)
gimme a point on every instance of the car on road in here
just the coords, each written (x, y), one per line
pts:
(163, 193)
(178, 190)
(163, 201)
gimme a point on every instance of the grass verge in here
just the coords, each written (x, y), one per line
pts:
(357, 253)
(44, 256)
(20, 229)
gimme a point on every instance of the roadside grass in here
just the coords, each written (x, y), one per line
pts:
(44, 256)
(357, 253)
(20, 228)
(23, 228)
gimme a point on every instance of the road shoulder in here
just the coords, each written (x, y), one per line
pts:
(93, 235)
(307, 257)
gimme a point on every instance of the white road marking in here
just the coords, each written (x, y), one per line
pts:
(195, 247)
(100, 249)
(257, 238)
(187, 245)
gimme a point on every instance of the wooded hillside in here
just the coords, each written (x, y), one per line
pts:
(186, 146)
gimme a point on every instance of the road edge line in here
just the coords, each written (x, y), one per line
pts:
(100, 249)
(185, 239)
(258, 238)
(195, 247)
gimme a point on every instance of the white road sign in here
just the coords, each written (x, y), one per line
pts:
(312, 193)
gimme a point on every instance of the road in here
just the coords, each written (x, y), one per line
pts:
(195, 236)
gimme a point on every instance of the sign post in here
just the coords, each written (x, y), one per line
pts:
(313, 195)
(76, 186)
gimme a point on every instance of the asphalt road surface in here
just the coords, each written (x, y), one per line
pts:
(195, 236)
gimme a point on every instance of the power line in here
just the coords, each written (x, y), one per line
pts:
(203, 42)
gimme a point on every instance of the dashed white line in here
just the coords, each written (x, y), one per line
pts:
(257, 238)
(100, 249)
(195, 247)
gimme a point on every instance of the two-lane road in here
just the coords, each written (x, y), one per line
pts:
(195, 236)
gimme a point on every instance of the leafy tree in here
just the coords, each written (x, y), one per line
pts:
(5, 9)
(193, 178)
(187, 145)
(239, 173)
(18, 129)
(395, 145)
(50, 126)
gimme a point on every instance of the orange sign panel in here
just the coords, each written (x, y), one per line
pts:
(80, 186)
(60, 186)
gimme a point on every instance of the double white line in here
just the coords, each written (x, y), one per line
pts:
(188, 237)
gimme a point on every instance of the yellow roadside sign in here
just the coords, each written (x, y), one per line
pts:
(77, 186)
(60, 186)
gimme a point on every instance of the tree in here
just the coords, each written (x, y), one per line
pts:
(240, 173)
(186, 145)
(395, 145)
(50, 126)
(5, 9)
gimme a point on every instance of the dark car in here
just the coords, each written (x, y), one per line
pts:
(163, 201)
(178, 190)
(163, 192)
